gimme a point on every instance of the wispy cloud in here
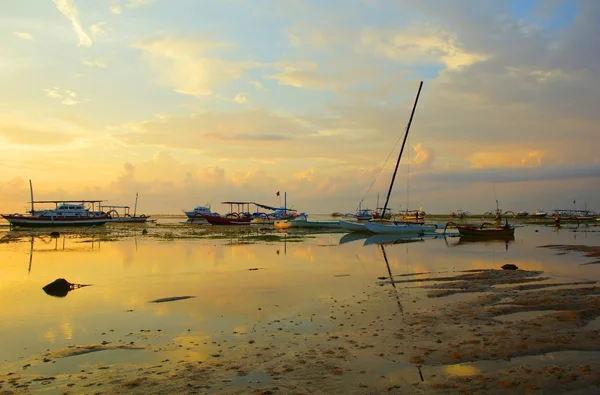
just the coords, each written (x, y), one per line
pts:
(257, 85)
(116, 7)
(66, 97)
(94, 63)
(23, 36)
(97, 30)
(137, 3)
(239, 98)
(70, 11)
(191, 66)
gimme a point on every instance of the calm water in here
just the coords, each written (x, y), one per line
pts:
(239, 284)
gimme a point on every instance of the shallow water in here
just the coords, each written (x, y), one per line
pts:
(286, 288)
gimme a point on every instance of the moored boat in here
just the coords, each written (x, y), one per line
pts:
(65, 213)
(539, 213)
(399, 228)
(125, 216)
(486, 229)
(353, 226)
(522, 213)
(199, 212)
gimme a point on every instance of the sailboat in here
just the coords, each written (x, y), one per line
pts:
(397, 227)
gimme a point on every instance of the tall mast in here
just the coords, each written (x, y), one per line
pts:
(401, 150)
(135, 205)
(31, 194)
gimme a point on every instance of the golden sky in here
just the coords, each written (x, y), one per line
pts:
(191, 102)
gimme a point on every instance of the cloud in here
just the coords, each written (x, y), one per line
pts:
(137, 3)
(257, 85)
(97, 30)
(94, 63)
(68, 97)
(23, 36)
(424, 157)
(116, 7)
(186, 66)
(70, 11)
(48, 132)
(239, 98)
(418, 44)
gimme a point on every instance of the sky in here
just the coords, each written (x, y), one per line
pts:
(189, 102)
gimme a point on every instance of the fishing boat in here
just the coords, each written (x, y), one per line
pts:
(199, 211)
(397, 226)
(522, 213)
(243, 216)
(65, 213)
(364, 214)
(416, 216)
(539, 213)
(485, 230)
(125, 216)
(353, 226)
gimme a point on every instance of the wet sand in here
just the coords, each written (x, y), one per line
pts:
(476, 331)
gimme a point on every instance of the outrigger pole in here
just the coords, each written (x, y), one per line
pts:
(401, 150)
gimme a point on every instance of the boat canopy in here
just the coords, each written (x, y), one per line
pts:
(259, 205)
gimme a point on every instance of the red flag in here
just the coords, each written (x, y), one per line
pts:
(277, 193)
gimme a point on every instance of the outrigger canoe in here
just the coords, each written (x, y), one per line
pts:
(486, 229)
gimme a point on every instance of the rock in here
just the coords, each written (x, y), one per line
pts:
(509, 266)
(59, 287)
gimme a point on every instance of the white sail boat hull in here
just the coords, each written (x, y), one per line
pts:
(400, 228)
(353, 226)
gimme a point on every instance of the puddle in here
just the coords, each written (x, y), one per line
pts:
(97, 360)
(524, 315)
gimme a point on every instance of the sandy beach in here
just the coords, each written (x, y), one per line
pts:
(474, 331)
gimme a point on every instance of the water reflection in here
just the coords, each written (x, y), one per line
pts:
(391, 277)
(466, 240)
(324, 284)
(46, 243)
(394, 239)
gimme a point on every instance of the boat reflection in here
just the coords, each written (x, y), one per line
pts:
(47, 243)
(353, 236)
(382, 238)
(466, 240)
(391, 277)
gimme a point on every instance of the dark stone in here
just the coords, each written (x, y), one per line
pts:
(59, 288)
(509, 266)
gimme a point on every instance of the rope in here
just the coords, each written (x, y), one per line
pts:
(381, 169)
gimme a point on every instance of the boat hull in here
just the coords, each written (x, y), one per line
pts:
(30, 222)
(401, 228)
(474, 232)
(129, 220)
(353, 226)
(228, 220)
